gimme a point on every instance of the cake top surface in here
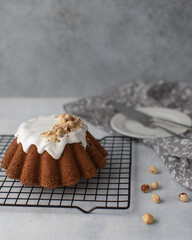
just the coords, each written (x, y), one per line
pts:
(52, 133)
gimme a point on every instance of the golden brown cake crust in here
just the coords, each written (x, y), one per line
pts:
(34, 169)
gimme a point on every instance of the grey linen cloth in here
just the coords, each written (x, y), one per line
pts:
(175, 153)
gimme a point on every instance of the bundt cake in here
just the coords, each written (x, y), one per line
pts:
(53, 151)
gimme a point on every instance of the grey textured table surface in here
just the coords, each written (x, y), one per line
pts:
(172, 218)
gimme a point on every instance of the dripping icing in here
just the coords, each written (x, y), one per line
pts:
(29, 133)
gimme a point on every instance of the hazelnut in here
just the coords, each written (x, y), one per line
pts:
(154, 185)
(153, 169)
(48, 133)
(148, 218)
(70, 124)
(156, 198)
(70, 118)
(183, 197)
(59, 132)
(66, 115)
(145, 188)
(61, 120)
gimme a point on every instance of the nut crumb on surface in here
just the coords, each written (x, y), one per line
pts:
(66, 123)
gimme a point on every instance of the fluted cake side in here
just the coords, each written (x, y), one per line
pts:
(75, 163)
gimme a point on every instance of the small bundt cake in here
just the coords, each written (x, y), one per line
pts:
(53, 151)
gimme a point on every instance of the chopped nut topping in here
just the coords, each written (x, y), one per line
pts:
(70, 124)
(59, 132)
(70, 119)
(66, 123)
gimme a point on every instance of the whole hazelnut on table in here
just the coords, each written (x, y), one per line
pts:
(153, 169)
(148, 218)
(145, 188)
(183, 197)
(156, 198)
(154, 185)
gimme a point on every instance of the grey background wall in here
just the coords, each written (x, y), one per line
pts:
(77, 48)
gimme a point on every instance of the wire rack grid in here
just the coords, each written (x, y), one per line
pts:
(109, 189)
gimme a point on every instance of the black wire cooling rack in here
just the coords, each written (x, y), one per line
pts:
(110, 189)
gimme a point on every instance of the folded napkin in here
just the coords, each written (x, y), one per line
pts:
(176, 153)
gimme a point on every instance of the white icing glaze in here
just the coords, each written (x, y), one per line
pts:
(29, 133)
